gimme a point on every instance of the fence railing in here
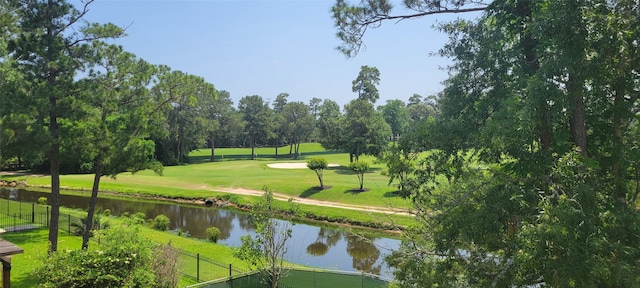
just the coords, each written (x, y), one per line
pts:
(297, 277)
(16, 216)
(204, 269)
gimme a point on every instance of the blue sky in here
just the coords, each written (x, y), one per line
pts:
(269, 47)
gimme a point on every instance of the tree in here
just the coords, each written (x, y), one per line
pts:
(360, 167)
(51, 47)
(267, 250)
(527, 182)
(352, 21)
(259, 118)
(314, 106)
(227, 121)
(546, 139)
(365, 131)
(329, 125)
(188, 122)
(400, 162)
(300, 124)
(420, 109)
(396, 115)
(116, 119)
(365, 84)
(318, 165)
(281, 125)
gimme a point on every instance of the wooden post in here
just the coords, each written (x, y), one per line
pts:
(6, 272)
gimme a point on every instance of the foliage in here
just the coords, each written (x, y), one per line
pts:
(185, 119)
(396, 114)
(124, 260)
(52, 46)
(531, 157)
(299, 124)
(267, 250)
(365, 84)
(166, 265)
(318, 165)
(259, 120)
(364, 130)
(400, 162)
(213, 233)
(42, 201)
(360, 168)
(160, 223)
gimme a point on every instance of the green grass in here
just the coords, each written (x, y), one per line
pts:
(34, 243)
(206, 179)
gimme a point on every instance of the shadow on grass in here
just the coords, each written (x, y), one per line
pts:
(393, 194)
(343, 170)
(238, 157)
(356, 191)
(313, 190)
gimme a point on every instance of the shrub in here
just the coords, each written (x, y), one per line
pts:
(42, 201)
(213, 233)
(125, 259)
(135, 219)
(161, 222)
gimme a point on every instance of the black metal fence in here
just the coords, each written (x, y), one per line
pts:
(300, 278)
(203, 269)
(16, 216)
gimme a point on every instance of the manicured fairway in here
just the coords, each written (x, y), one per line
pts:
(200, 180)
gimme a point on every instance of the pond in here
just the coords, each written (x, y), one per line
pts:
(310, 245)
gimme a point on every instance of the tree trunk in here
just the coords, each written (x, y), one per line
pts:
(180, 132)
(577, 122)
(92, 203)
(54, 150)
(619, 174)
(213, 148)
(253, 146)
(290, 148)
(532, 65)
(54, 162)
(319, 173)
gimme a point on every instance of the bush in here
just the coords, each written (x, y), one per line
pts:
(161, 222)
(213, 233)
(135, 219)
(42, 201)
(125, 259)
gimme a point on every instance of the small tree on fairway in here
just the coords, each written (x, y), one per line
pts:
(318, 165)
(267, 250)
(360, 167)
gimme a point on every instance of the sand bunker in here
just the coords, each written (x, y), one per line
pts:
(294, 165)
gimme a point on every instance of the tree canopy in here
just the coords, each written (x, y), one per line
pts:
(531, 175)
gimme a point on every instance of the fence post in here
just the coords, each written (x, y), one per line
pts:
(33, 212)
(69, 224)
(47, 216)
(14, 220)
(198, 267)
(230, 271)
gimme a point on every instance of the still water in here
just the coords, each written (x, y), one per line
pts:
(310, 245)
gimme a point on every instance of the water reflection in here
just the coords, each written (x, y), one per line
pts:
(310, 245)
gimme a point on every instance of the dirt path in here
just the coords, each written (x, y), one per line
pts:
(306, 201)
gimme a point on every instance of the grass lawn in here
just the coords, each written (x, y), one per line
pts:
(204, 179)
(199, 180)
(34, 243)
